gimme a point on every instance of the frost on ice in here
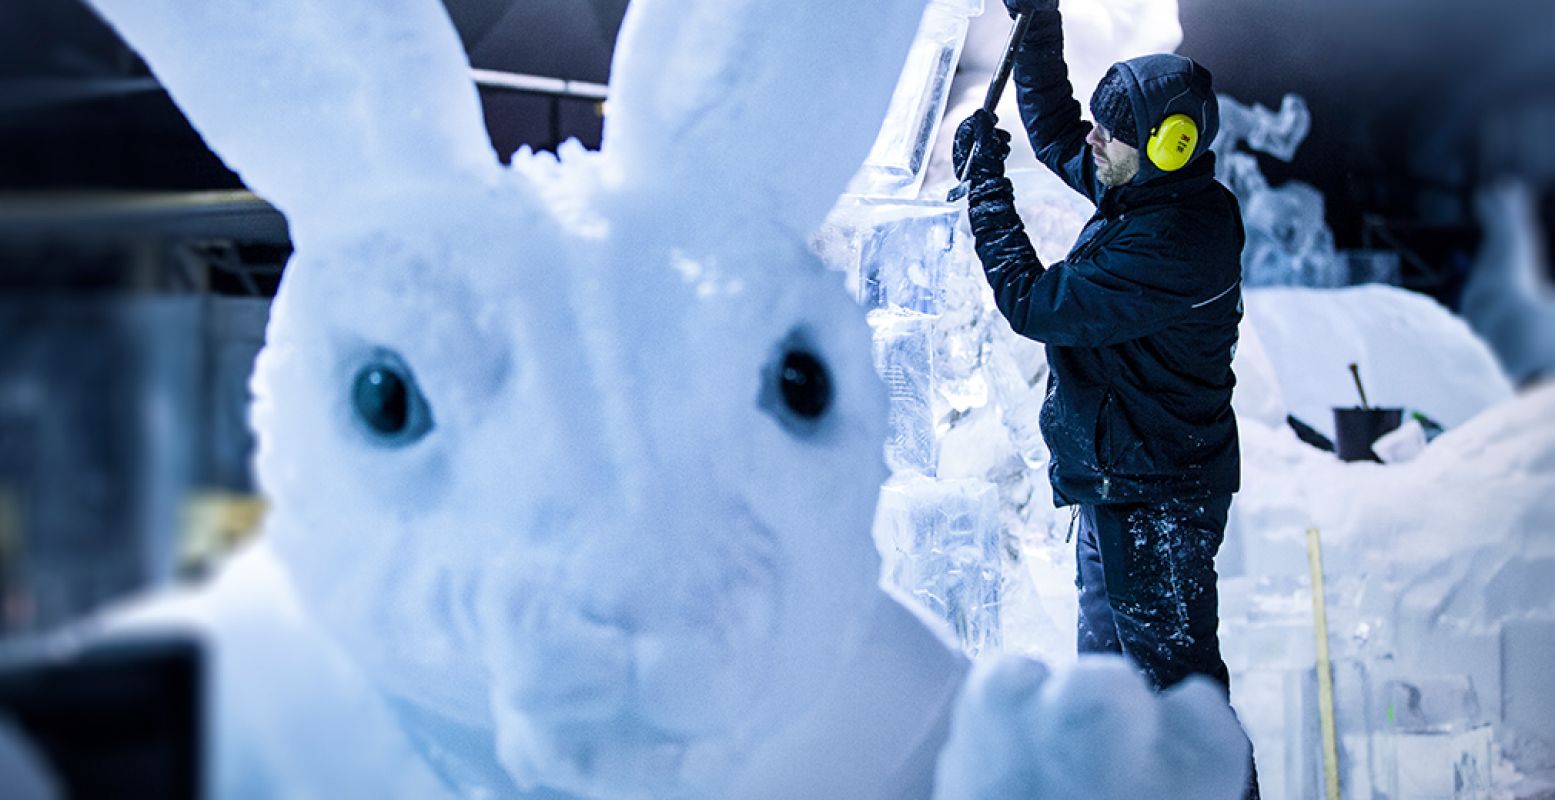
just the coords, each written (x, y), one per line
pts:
(572, 465)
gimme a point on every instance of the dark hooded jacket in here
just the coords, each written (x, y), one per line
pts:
(1140, 320)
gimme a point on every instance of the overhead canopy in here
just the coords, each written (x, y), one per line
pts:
(79, 110)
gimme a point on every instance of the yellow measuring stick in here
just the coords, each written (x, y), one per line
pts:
(1325, 668)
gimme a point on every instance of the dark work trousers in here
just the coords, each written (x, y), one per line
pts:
(1147, 588)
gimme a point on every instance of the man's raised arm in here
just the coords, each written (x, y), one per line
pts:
(1047, 105)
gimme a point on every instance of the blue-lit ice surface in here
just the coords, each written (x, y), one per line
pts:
(572, 465)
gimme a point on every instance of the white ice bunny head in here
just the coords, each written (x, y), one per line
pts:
(577, 459)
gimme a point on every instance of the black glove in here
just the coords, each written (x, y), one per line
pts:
(1018, 7)
(992, 147)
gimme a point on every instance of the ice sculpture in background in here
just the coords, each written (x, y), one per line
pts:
(1288, 239)
(1509, 299)
(573, 497)
(1277, 133)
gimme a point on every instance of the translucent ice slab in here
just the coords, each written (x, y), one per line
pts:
(1442, 766)
(1282, 717)
(939, 541)
(1433, 742)
(899, 160)
(904, 357)
(895, 253)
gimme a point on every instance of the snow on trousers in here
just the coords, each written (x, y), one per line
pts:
(1147, 582)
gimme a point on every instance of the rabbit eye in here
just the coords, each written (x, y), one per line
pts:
(805, 384)
(386, 400)
(797, 388)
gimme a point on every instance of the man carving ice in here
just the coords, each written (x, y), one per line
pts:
(1140, 322)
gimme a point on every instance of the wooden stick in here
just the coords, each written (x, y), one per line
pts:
(1325, 670)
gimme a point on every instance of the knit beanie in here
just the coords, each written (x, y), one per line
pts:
(1112, 109)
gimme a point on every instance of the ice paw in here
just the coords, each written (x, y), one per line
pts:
(1094, 730)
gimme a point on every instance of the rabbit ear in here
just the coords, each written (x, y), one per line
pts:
(764, 106)
(312, 99)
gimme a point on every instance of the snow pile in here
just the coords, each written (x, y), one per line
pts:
(1257, 396)
(1459, 531)
(1412, 353)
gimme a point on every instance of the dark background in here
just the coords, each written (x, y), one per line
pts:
(1414, 102)
(77, 110)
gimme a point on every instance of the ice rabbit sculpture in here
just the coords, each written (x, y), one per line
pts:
(576, 459)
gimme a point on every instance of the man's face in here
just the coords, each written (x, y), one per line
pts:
(1116, 162)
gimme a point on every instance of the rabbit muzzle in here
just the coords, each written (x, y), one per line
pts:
(638, 652)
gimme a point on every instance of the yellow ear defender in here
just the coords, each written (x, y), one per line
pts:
(1173, 142)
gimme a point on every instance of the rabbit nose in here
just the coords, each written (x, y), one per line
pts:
(558, 665)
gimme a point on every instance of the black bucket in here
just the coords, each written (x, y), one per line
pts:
(1357, 428)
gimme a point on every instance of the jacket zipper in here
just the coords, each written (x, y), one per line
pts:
(1101, 462)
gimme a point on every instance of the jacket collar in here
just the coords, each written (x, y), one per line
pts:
(1167, 188)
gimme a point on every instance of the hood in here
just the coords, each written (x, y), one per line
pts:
(1165, 84)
